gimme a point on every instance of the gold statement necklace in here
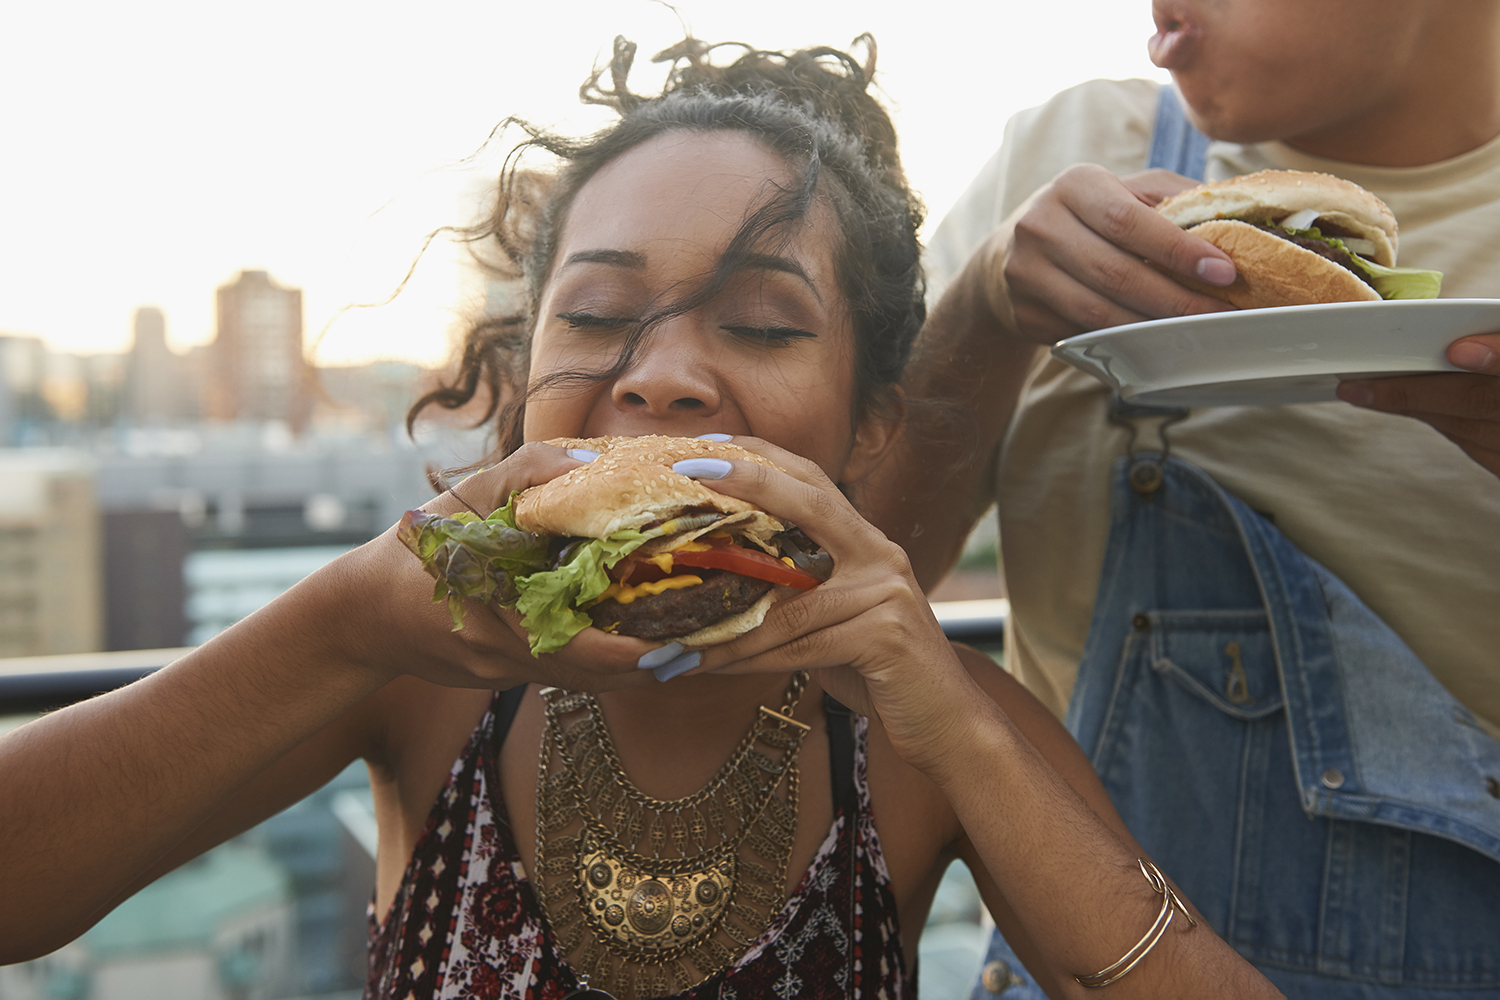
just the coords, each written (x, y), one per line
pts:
(648, 896)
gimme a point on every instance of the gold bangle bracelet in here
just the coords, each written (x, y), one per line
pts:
(1139, 950)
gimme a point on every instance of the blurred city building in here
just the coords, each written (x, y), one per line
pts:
(50, 397)
(161, 386)
(372, 397)
(212, 522)
(22, 361)
(145, 602)
(258, 370)
(51, 593)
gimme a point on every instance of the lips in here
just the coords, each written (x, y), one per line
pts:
(1176, 38)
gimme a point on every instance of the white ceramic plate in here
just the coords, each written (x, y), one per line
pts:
(1267, 357)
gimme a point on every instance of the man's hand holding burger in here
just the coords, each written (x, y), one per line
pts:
(1091, 251)
(1079, 256)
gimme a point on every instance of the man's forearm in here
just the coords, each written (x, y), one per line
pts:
(961, 388)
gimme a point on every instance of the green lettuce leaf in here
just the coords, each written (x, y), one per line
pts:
(548, 600)
(1390, 282)
(491, 560)
(470, 557)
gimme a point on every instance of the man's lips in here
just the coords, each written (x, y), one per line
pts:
(1173, 45)
(1177, 32)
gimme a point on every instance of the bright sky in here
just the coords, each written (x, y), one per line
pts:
(152, 150)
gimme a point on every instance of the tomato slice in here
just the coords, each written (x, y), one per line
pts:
(747, 562)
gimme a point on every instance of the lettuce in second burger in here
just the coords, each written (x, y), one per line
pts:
(1390, 282)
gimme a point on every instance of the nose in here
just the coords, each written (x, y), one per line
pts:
(673, 375)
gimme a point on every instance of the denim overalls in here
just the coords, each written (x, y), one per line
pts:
(1278, 750)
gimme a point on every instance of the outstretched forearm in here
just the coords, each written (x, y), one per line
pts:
(961, 388)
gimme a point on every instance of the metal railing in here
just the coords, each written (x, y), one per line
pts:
(32, 684)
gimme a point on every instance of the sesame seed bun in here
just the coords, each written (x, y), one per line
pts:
(1274, 271)
(631, 483)
(1279, 193)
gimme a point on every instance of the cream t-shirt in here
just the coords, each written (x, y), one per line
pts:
(1390, 506)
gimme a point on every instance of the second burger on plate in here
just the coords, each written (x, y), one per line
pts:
(1299, 238)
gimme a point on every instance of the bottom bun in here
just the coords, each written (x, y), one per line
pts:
(732, 627)
(1274, 271)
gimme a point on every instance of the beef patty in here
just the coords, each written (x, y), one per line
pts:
(674, 613)
(1323, 250)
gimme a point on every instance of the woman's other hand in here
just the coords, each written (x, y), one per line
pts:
(400, 629)
(1078, 256)
(868, 628)
(1464, 408)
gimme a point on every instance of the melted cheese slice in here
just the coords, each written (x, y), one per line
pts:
(663, 560)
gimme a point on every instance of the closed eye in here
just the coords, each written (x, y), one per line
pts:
(774, 335)
(593, 321)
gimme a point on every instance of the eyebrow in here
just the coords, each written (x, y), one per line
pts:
(636, 261)
(617, 258)
(786, 265)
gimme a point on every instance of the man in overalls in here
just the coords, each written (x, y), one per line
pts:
(1275, 631)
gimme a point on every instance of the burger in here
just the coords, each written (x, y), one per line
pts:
(1298, 238)
(622, 544)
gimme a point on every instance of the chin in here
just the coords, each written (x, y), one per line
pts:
(1222, 113)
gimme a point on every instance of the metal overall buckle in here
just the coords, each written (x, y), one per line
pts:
(1145, 474)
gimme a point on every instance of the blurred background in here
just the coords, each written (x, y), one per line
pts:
(192, 417)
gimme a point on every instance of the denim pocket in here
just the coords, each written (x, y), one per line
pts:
(1223, 657)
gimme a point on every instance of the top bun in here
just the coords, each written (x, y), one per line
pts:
(631, 483)
(1275, 194)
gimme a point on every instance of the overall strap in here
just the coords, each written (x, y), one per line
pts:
(1179, 147)
(1175, 144)
(841, 755)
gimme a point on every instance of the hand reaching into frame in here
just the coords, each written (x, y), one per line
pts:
(1465, 408)
(1079, 256)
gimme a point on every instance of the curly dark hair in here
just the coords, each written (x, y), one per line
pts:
(814, 108)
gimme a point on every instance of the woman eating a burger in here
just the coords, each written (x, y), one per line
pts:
(721, 291)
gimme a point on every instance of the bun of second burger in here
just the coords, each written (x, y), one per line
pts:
(623, 544)
(1298, 238)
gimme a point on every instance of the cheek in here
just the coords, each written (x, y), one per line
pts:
(1298, 62)
(558, 412)
(808, 408)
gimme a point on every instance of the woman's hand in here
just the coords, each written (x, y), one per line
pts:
(1078, 256)
(1464, 408)
(403, 631)
(868, 628)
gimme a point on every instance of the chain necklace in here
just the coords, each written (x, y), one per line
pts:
(636, 916)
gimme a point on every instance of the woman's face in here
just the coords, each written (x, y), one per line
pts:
(772, 355)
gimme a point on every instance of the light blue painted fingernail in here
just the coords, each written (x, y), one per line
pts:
(716, 437)
(660, 657)
(678, 667)
(703, 468)
(582, 454)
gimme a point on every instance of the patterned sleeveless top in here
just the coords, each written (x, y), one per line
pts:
(466, 923)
